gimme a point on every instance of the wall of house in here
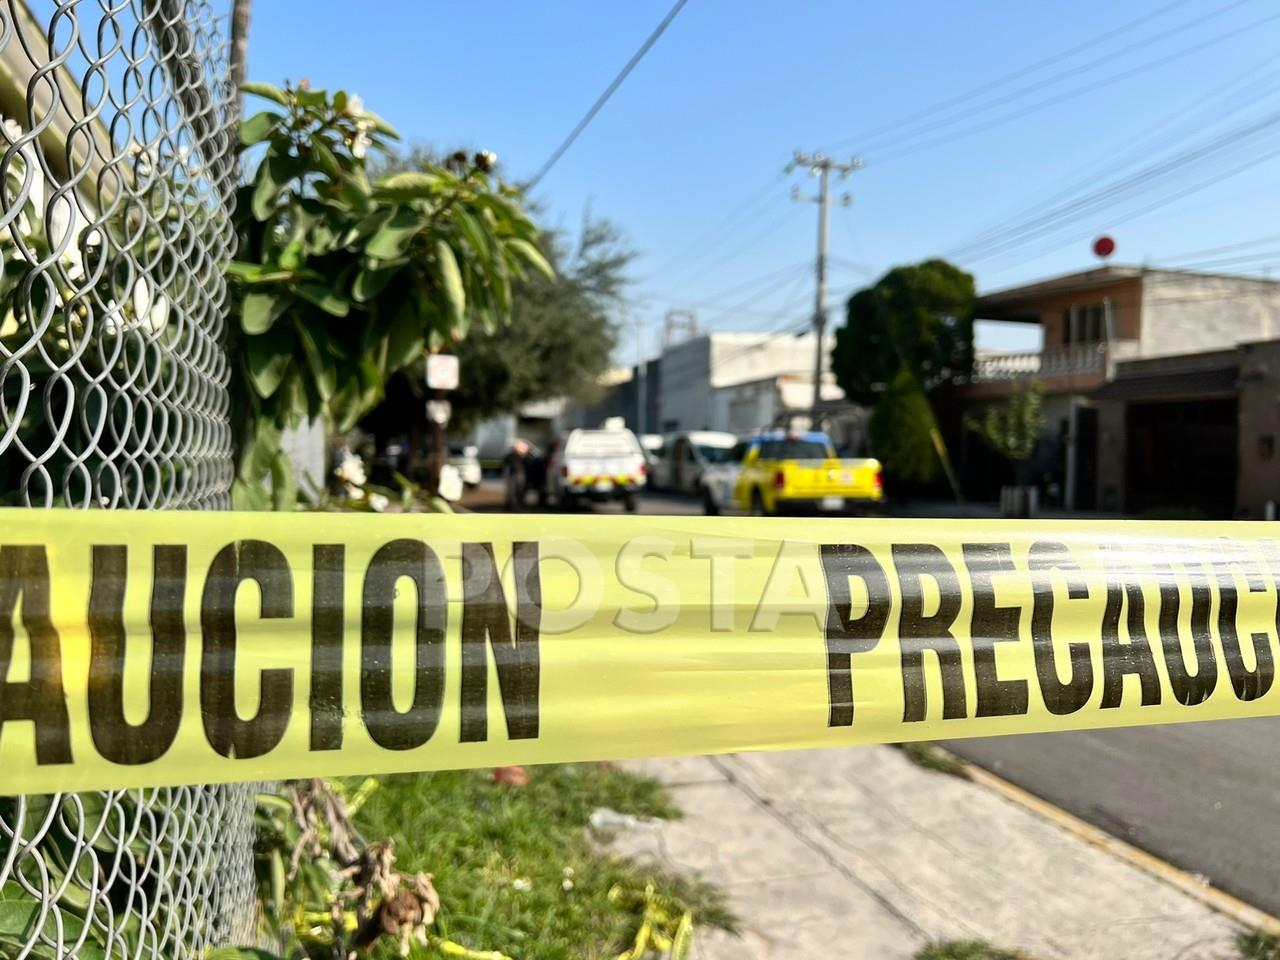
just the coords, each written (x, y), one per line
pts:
(1186, 313)
(1126, 310)
(1258, 479)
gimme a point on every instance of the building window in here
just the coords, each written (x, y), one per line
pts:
(1084, 324)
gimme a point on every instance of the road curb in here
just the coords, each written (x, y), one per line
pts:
(1188, 883)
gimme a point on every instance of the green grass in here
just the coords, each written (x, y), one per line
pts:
(501, 856)
(1258, 946)
(934, 758)
(967, 950)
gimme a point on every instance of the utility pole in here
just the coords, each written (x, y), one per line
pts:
(821, 166)
(642, 399)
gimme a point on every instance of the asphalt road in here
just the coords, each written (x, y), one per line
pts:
(1202, 796)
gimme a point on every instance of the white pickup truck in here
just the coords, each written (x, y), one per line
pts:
(596, 465)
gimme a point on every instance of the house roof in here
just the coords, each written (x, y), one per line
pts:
(1017, 303)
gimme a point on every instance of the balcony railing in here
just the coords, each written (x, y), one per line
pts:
(1033, 364)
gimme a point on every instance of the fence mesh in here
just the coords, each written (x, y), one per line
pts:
(116, 182)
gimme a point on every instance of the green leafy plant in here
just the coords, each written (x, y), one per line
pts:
(968, 950)
(1256, 945)
(1012, 428)
(340, 281)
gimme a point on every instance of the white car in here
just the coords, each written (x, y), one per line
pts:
(464, 458)
(715, 486)
(596, 465)
(686, 456)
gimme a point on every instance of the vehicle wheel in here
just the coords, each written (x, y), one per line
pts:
(629, 502)
(709, 505)
(757, 505)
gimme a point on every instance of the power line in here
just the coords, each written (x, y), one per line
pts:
(608, 92)
(1155, 136)
(1007, 78)
(1107, 195)
(898, 151)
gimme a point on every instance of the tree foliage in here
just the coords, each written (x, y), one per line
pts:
(562, 332)
(341, 281)
(1012, 428)
(918, 318)
(901, 428)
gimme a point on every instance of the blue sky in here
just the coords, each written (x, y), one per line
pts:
(687, 157)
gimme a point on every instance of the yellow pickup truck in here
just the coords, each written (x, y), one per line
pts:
(779, 473)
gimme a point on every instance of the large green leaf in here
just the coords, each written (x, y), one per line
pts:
(411, 185)
(267, 90)
(406, 337)
(312, 98)
(19, 916)
(274, 173)
(323, 373)
(258, 127)
(284, 484)
(324, 297)
(268, 360)
(326, 158)
(381, 125)
(261, 310)
(532, 256)
(249, 495)
(371, 281)
(392, 239)
(256, 273)
(451, 282)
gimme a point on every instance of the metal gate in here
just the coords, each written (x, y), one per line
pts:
(116, 182)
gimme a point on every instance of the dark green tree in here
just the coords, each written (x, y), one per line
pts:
(901, 429)
(918, 318)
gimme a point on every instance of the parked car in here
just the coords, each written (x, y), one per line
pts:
(465, 458)
(773, 473)
(686, 455)
(596, 465)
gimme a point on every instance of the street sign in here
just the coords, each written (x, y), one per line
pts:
(439, 411)
(442, 371)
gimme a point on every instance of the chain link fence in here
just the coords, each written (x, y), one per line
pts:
(116, 181)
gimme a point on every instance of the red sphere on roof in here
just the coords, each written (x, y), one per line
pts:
(1104, 246)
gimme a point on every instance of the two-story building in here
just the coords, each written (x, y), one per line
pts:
(1161, 390)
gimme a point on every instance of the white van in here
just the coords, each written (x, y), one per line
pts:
(686, 455)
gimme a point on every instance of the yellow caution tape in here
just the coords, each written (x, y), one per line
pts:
(142, 649)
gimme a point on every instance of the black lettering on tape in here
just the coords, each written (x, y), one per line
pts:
(387, 726)
(919, 633)
(1248, 684)
(1189, 689)
(1124, 594)
(114, 737)
(24, 571)
(1060, 696)
(846, 634)
(485, 616)
(226, 731)
(990, 625)
(328, 581)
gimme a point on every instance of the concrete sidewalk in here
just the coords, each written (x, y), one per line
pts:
(858, 852)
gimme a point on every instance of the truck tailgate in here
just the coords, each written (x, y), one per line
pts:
(809, 479)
